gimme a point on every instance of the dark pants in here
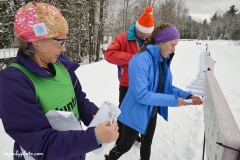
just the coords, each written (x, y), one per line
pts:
(122, 93)
(129, 135)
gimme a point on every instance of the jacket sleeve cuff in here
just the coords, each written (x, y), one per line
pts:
(189, 96)
(99, 143)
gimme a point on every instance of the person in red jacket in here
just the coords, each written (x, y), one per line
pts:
(124, 47)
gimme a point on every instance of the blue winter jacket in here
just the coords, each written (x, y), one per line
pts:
(137, 105)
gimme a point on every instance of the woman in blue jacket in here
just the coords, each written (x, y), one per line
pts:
(150, 91)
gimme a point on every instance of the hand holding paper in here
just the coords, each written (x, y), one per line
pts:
(107, 133)
(106, 112)
(105, 120)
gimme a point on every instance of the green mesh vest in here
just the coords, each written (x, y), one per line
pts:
(54, 93)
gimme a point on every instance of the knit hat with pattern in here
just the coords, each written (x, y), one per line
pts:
(39, 21)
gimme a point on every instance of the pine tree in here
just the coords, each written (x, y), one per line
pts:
(7, 11)
(235, 34)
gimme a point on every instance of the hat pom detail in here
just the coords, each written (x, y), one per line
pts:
(149, 10)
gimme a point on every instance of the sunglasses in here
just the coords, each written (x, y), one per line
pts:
(60, 40)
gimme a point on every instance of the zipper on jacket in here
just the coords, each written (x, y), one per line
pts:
(137, 45)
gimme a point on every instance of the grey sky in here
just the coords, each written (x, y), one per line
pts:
(201, 9)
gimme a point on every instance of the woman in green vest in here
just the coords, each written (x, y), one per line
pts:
(40, 80)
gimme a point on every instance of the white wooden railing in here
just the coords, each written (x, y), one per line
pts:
(221, 135)
(221, 131)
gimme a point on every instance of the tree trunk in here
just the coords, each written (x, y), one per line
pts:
(100, 30)
(126, 13)
(91, 26)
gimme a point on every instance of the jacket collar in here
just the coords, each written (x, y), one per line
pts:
(39, 71)
(31, 65)
(155, 52)
(131, 35)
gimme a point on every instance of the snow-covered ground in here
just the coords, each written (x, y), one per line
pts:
(181, 138)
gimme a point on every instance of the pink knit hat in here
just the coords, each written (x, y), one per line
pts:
(39, 21)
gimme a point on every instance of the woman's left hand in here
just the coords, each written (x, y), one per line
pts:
(196, 100)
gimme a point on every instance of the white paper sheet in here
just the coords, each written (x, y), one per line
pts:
(63, 121)
(60, 121)
(106, 112)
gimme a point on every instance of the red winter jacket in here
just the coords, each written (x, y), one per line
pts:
(120, 51)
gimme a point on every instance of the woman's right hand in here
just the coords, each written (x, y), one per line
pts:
(107, 133)
(181, 102)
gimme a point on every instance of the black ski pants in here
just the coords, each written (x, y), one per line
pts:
(129, 136)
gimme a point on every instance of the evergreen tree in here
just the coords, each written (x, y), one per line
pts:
(230, 17)
(204, 30)
(235, 34)
(232, 11)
